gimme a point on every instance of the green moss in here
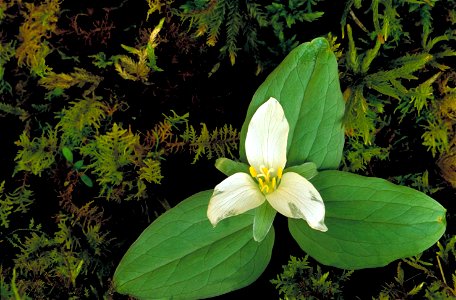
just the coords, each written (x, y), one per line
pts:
(301, 280)
(425, 278)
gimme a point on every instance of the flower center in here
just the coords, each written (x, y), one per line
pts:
(268, 179)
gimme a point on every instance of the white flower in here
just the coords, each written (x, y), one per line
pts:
(287, 192)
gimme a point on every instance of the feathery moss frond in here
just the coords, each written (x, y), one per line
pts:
(7, 51)
(301, 279)
(130, 69)
(435, 136)
(40, 22)
(358, 155)
(79, 77)
(151, 172)
(14, 110)
(74, 249)
(167, 137)
(79, 122)
(16, 202)
(109, 155)
(37, 154)
(218, 143)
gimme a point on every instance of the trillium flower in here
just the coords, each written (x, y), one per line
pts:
(289, 193)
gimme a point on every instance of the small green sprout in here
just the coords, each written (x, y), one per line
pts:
(77, 166)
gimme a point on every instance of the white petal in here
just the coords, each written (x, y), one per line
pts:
(267, 134)
(297, 198)
(233, 196)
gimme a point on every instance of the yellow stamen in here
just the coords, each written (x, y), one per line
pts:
(279, 173)
(253, 172)
(268, 179)
(265, 172)
(260, 181)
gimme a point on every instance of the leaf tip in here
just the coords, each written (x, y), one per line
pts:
(441, 219)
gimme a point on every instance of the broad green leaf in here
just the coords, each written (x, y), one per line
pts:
(181, 256)
(306, 84)
(370, 221)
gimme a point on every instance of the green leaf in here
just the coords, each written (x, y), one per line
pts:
(86, 180)
(78, 165)
(306, 84)
(370, 221)
(181, 256)
(307, 170)
(262, 223)
(68, 154)
(230, 167)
